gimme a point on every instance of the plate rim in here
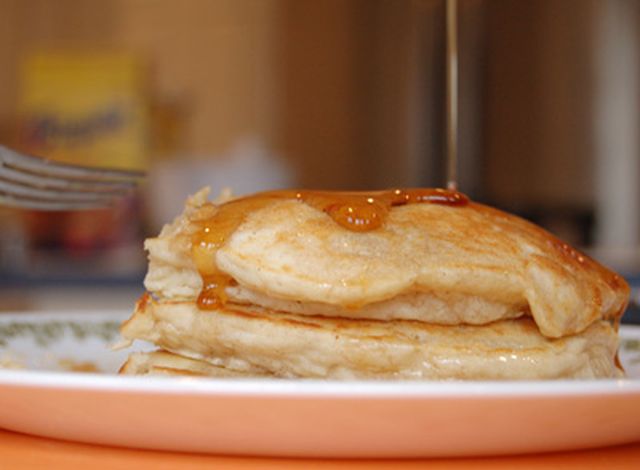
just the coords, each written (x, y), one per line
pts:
(294, 388)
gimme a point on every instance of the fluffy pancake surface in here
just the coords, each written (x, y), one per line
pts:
(435, 292)
(247, 340)
(428, 262)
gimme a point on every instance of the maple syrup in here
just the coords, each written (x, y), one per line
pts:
(355, 211)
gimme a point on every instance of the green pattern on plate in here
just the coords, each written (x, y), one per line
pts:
(47, 333)
(631, 347)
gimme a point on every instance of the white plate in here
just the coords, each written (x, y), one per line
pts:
(294, 418)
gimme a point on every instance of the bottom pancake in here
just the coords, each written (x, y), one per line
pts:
(247, 339)
(166, 363)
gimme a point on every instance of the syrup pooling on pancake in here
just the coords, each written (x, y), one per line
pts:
(354, 211)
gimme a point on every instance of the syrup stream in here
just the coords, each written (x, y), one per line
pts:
(452, 95)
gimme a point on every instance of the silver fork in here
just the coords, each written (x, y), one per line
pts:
(30, 182)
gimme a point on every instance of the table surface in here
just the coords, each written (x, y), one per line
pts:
(22, 451)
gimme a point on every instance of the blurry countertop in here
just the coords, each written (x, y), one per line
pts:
(22, 451)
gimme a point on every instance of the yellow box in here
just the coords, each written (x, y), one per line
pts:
(84, 107)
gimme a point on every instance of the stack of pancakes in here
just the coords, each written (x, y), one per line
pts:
(404, 284)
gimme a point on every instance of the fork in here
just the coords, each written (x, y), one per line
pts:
(31, 182)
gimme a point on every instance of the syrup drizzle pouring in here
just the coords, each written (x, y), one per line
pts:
(354, 211)
(452, 94)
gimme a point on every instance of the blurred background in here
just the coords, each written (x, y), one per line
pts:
(337, 94)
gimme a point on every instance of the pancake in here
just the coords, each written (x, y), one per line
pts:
(417, 284)
(436, 263)
(245, 339)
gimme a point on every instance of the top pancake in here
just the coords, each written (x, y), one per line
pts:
(293, 255)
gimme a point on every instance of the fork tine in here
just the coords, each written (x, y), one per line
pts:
(47, 182)
(30, 182)
(21, 191)
(31, 164)
(8, 200)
